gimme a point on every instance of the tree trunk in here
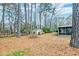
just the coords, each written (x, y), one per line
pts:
(15, 22)
(10, 25)
(35, 17)
(18, 21)
(45, 16)
(28, 11)
(0, 26)
(28, 20)
(40, 13)
(10, 22)
(25, 17)
(3, 18)
(40, 19)
(74, 42)
(31, 20)
(51, 21)
(53, 13)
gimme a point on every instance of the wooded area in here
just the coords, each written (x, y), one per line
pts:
(22, 18)
(36, 25)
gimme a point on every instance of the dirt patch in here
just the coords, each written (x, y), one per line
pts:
(45, 45)
(33, 36)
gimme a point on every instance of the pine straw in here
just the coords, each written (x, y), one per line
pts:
(33, 36)
(46, 44)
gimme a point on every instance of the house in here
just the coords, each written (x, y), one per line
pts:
(65, 26)
(65, 30)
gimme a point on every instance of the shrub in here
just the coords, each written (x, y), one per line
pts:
(46, 30)
(23, 30)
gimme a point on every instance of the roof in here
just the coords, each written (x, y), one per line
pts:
(65, 26)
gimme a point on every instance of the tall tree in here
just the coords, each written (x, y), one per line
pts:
(18, 20)
(28, 18)
(40, 15)
(10, 23)
(53, 12)
(9, 12)
(45, 18)
(15, 18)
(0, 26)
(3, 16)
(44, 8)
(35, 17)
(74, 42)
(25, 17)
(31, 19)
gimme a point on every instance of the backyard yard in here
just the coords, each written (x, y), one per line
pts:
(46, 44)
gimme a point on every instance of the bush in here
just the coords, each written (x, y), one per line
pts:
(23, 30)
(46, 30)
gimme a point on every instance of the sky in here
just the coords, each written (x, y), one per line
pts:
(66, 9)
(65, 12)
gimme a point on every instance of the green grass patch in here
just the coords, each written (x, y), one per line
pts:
(17, 53)
(20, 53)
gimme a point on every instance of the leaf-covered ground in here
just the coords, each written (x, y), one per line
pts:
(45, 45)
